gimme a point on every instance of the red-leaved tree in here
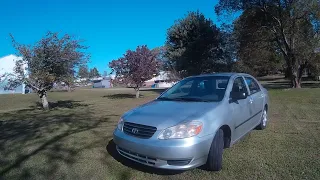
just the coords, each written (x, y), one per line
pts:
(135, 67)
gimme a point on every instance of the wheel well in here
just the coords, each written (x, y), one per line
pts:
(227, 135)
(266, 106)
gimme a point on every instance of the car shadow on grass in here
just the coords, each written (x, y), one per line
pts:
(111, 148)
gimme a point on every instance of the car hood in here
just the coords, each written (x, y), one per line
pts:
(164, 114)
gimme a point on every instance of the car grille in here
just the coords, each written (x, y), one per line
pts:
(138, 130)
(137, 157)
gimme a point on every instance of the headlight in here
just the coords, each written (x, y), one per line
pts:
(181, 131)
(120, 124)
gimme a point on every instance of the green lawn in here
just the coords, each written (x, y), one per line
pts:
(74, 139)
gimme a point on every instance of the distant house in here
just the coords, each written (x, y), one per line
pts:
(7, 65)
(162, 84)
(160, 81)
(102, 83)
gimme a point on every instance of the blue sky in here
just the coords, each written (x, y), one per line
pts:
(110, 27)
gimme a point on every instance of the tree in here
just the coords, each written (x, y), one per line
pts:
(94, 73)
(256, 53)
(229, 46)
(193, 46)
(51, 60)
(69, 81)
(165, 64)
(315, 66)
(292, 24)
(136, 67)
(83, 72)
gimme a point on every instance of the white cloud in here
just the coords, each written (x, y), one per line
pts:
(7, 63)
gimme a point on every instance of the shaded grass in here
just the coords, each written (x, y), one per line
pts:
(74, 139)
(120, 96)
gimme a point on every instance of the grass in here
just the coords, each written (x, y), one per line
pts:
(74, 139)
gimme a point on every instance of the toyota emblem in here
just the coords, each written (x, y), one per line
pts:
(134, 130)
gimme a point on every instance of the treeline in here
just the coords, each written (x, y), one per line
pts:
(268, 37)
(85, 73)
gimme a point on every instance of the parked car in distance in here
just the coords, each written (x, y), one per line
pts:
(191, 123)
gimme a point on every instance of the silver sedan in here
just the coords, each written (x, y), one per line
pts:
(191, 123)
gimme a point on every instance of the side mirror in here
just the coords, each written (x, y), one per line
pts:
(238, 95)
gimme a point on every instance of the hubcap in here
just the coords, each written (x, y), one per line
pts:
(264, 118)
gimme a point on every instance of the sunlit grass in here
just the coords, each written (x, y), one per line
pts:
(70, 141)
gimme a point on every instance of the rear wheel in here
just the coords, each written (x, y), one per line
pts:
(214, 161)
(264, 120)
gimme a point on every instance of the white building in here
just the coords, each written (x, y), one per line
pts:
(160, 81)
(102, 83)
(7, 65)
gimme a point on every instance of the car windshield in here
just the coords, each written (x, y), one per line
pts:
(203, 89)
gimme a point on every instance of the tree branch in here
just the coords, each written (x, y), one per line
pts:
(30, 84)
(284, 52)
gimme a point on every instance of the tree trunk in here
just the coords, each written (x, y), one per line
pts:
(44, 100)
(296, 82)
(137, 92)
(45, 103)
(294, 71)
(296, 76)
(287, 73)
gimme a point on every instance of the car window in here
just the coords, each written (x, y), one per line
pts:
(207, 88)
(221, 84)
(239, 85)
(253, 85)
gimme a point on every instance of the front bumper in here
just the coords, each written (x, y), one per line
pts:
(176, 154)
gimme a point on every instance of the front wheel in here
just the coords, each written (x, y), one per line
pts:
(214, 161)
(264, 120)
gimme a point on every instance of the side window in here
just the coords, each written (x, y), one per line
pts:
(253, 85)
(239, 85)
(221, 83)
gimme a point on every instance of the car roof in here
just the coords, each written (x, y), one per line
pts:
(229, 74)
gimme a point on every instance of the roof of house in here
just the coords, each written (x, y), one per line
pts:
(99, 80)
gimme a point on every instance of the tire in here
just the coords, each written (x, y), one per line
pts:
(214, 161)
(264, 120)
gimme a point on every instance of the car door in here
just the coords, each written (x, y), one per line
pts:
(240, 109)
(256, 98)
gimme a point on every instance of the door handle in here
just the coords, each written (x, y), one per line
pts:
(250, 101)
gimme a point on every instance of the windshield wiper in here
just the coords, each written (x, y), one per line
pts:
(166, 99)
(192, 99)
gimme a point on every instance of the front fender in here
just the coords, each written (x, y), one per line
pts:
(215, 119)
